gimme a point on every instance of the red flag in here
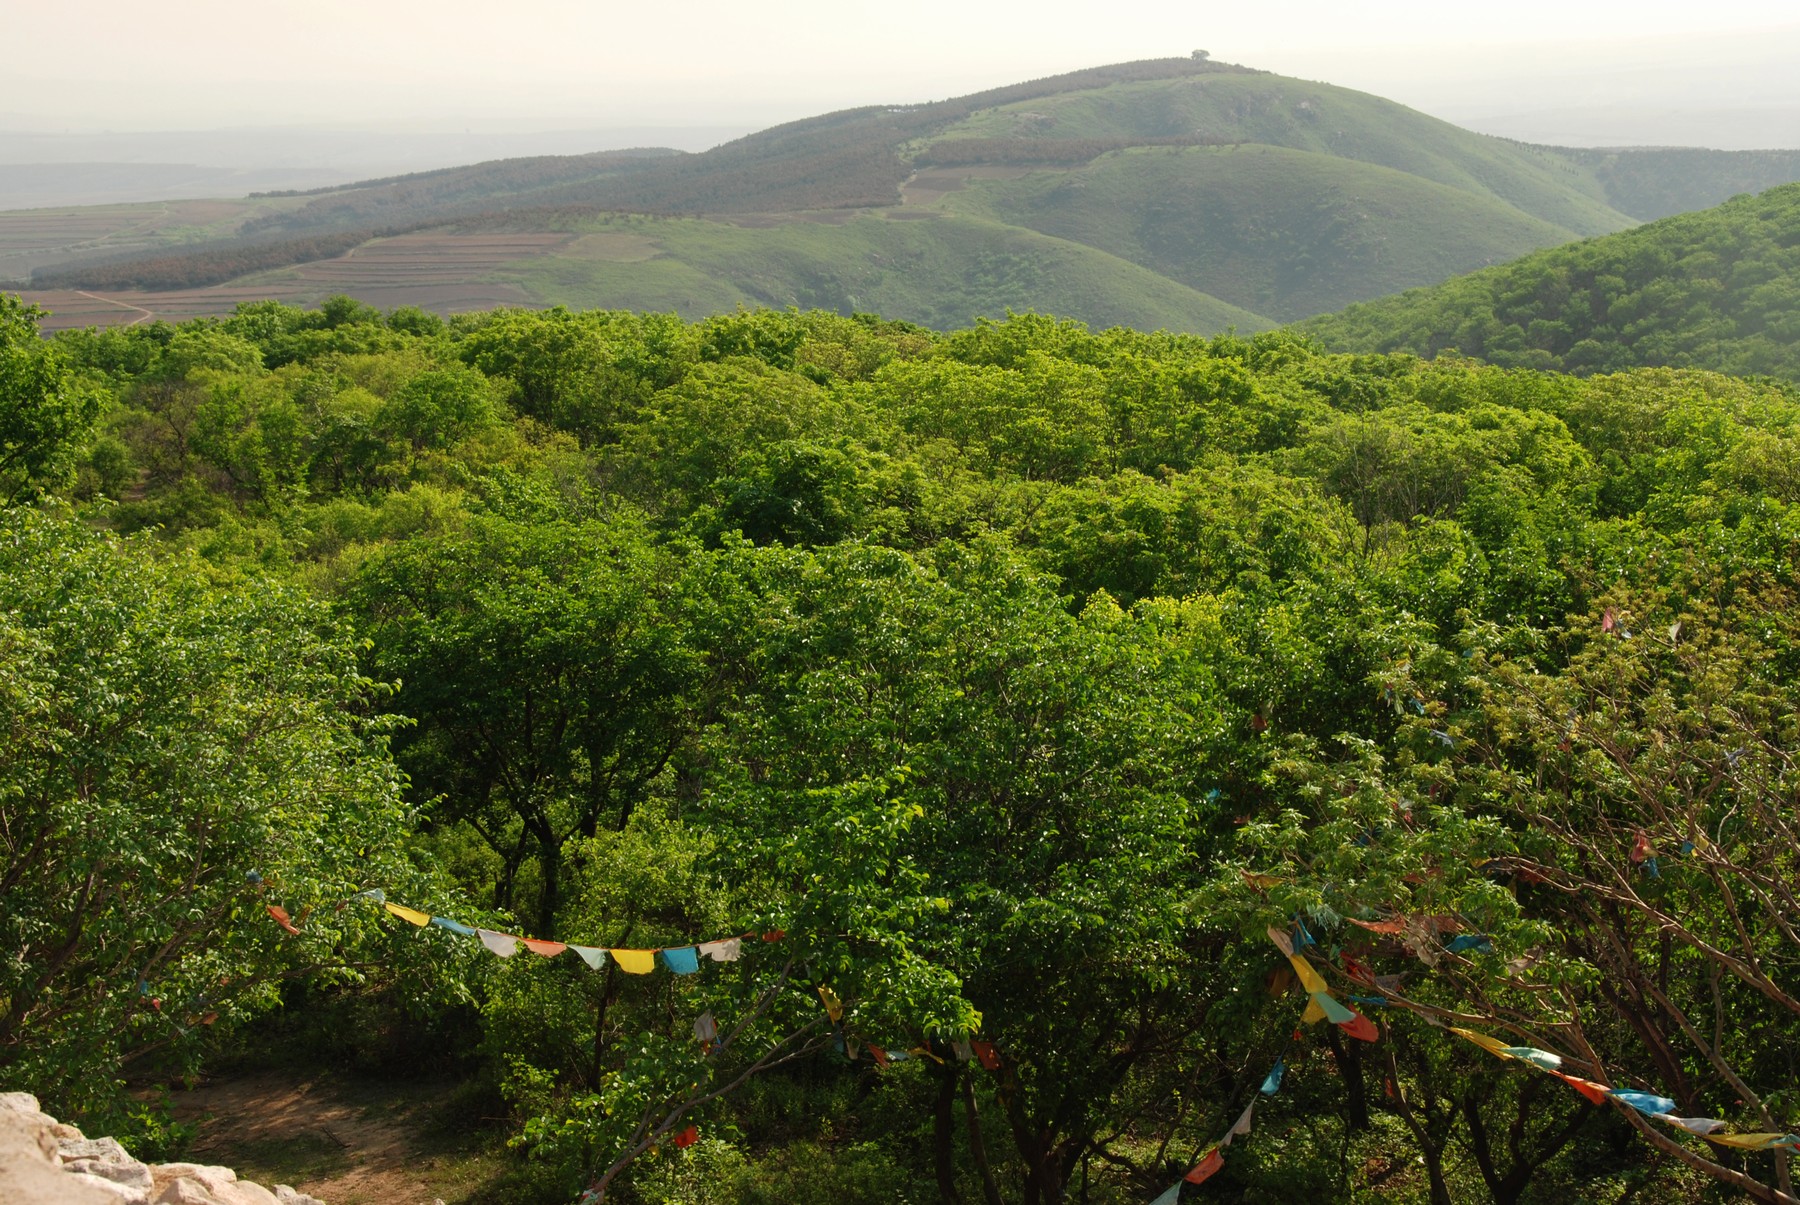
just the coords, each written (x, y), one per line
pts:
(879, 1055)
(1362, 1028)
(1640, 848)
(1609, 621)
(1397, 925)
(687, 1137)
(282, 918)
(985, 1052)
(1205, 1168)
(549, 949)
(774, 935)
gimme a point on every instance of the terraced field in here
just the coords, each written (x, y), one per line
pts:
(437, 270)
(31, 238)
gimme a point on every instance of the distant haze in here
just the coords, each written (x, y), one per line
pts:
(297, 94)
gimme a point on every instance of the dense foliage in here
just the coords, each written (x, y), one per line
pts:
(1712, 290)
(1013, 680)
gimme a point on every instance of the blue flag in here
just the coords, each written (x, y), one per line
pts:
(1272, 1082)
(1645, 1102)
(683, 961)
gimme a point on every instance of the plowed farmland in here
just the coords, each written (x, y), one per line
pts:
(435, 270)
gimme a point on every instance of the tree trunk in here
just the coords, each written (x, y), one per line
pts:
(943, 1131)
(990, 1190)
(1348, 1056)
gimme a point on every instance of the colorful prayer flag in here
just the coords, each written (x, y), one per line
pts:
(1703, 1126)
(1361, 1028)
(683, 960)
(1644, 1102)
(444, 922)
(723, 951)
(1753, 1142)
(687, 1137)
(834, 1008)
(594, 956)
(1391, 927)
(413, 915)
(706, 1029)
(1336, 1013)
(1541, 1059)
(503, 944)
(1587, 1087)
(1172, 1197)
(1240, 1127)
(635, 962)
(1493, 1046)
(988, 1056)
(1204, 1169)
(548, 949)
(281, 918)
(1272, 1082)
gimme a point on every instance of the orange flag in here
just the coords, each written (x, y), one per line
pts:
(1204, 1169)
(1587, 1087)
(549, 949)
(281, 918)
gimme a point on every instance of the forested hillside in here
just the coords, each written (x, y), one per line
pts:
(1010, 765)
(1718, 289)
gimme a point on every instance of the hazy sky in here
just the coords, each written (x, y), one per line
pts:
(82, 65)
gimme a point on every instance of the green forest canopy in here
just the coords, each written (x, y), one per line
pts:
(1021, 676)
(1719, 289)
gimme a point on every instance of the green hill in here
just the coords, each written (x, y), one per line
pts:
(1282, 232)
(1718, 289)
(1176, 191)
(1275, 110)
(941, 272)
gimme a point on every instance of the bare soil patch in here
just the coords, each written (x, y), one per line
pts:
(346, 1141)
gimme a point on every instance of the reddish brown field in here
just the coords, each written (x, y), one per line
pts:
(435, 270)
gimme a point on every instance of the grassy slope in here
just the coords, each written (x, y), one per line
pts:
(1279, 111)
(939, 272)
(1285, 233)
(1717, 289)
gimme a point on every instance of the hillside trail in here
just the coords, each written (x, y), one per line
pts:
(345, 1141)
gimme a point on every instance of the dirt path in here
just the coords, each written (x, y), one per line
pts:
(144, 315)
(347, 1142)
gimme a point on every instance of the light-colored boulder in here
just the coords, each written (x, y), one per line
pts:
(184, 1190)
(246, 1192)
(123, 1194)
(207, 1173)
(20, 1102)
(288, 1195)
(92, 1148)
(28, 1171)
(104, 1157)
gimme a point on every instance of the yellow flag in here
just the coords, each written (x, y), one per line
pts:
(834, 1008)
(635, 962)
(1315, 1012)
(412, 914)
(1309, 978)
(1750, 1142)
(1493, 1046)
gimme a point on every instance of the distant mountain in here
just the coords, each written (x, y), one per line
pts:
(1717, 289)
(1251, 198)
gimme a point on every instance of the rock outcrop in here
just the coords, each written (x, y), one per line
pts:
(46, 1162)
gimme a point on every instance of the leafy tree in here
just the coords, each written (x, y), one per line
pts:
(179, 752)
(45, 412)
